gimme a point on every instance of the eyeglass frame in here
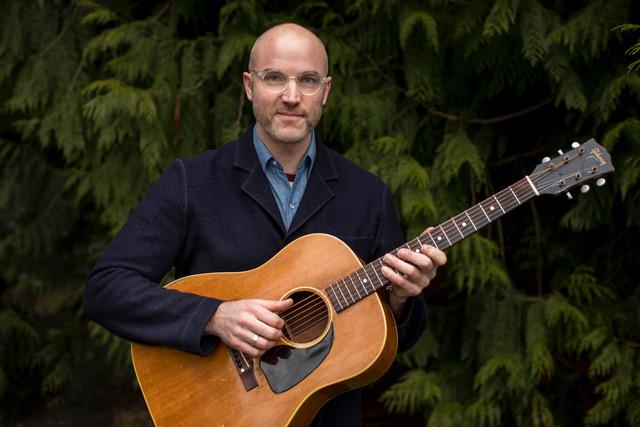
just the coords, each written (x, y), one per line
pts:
(260, 74)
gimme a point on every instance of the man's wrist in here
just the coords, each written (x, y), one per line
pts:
(397, 304)
(210, 326)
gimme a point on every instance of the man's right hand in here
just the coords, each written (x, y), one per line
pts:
(250, 326)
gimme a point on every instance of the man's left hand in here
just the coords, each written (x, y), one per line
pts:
(410, 272)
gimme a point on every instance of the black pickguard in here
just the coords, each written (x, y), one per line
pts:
(284, 367)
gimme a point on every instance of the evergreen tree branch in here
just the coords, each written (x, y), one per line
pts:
(493, 120)
(71, 15)
(534, 152)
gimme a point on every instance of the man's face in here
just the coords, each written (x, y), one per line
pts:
(287, 117)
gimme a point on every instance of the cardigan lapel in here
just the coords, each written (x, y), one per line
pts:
(256, 184)
(318, 191)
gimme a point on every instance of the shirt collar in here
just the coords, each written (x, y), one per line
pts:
(264, 155)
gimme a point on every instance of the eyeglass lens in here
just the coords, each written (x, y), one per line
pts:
(307, 83)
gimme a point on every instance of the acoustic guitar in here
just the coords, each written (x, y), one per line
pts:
(338, 335)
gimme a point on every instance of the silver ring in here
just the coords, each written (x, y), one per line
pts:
(254, 339)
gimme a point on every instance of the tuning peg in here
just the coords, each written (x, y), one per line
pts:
(575, 144)
(546, 159)
(585, 188)
(561, 152)
(600, 182)
(569, 196)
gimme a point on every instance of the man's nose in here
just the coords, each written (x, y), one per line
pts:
(291, 93)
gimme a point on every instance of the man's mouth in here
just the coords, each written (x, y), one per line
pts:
(289, 114)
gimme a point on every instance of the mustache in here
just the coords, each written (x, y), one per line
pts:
(288, 110)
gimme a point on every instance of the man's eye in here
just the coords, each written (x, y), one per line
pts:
(309, 80)
(274, 77)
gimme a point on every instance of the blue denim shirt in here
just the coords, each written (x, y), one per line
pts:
(288, 197)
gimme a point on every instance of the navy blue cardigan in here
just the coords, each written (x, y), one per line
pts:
(215, 212)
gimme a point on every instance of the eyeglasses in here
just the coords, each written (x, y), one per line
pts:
(308, 83)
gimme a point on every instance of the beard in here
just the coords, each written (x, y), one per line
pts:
(282, 132)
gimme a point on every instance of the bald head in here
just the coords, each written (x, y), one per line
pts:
(287, 39)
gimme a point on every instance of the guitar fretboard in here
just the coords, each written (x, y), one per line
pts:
(368, 279)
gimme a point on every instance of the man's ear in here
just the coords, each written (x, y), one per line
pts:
(327, 89)
(248, 85)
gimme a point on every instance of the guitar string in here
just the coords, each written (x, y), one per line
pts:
(476, 215)
(299, 305)
(291, 315)
(505, 201)
(521, 187)
(309, 323)
(447, 227)
(302, 324)
(510, 203)
(368, 269)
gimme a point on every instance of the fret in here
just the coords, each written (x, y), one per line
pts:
(350, 294)
(375, 270)
(514, 201)
(514, 195)
(437, 239)
(408, 246)
(358, 292)
(464, 225)
(484, 212)
(432, 239)
(357, 282)
(353, 284)
(342, 293)
(506, 201)
(373, 278)
(490, 210)
(479, 218)
(445, 235)
(454, 232)
(498, 202)
(334, 299)
(364, 281)
(367, 280)
(471, 221)
(458, 228)
(413, 245)
(526, 188)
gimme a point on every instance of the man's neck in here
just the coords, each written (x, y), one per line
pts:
(289, 155)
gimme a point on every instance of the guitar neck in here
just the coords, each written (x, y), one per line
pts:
(368, 279)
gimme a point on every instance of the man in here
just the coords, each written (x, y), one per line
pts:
(233, 208)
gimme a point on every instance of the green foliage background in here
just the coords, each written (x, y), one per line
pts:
(534, 322)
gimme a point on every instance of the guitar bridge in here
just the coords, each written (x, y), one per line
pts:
(244, 366)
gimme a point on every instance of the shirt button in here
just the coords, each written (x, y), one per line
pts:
(292, 206)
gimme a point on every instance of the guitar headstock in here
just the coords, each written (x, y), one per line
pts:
(584, 163)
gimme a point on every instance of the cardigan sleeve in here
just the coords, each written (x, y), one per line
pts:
(413, 320)
(123, 293)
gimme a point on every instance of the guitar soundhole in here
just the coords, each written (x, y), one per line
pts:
(307, 319)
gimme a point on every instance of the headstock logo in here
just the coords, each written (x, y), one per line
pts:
(598, 155)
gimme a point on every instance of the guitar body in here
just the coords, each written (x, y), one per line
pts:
(359, 344)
